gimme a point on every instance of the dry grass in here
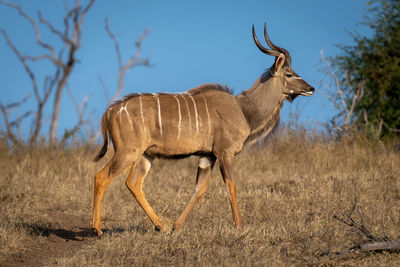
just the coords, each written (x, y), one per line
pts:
(288, 192)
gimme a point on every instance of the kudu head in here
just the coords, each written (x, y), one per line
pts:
(289, 82)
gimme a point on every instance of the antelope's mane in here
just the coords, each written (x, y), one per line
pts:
(208, 87)
(194, 91)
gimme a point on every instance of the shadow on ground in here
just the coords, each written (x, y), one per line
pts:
(80, 233)
(77, 235)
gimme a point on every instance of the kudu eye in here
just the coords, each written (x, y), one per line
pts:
(288, 75)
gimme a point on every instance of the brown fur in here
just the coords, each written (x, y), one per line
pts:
(207, 121)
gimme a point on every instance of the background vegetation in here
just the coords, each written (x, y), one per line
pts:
(292, 191)
(369, 72)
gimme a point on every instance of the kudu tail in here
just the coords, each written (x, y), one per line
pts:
(104, 130)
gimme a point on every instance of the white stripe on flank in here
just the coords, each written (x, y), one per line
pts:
(180, 117)
(123, 108)
(159, 112)
(190, 119)
(127, 114)
(208, 116)
(108, 114)
(195, 113)
(141, 113)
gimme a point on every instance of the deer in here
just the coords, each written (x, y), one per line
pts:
(207, 121)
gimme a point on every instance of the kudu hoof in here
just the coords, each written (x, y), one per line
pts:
(97, 232)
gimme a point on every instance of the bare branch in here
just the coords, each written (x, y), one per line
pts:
(63, 67)
(10, 132)
(17, 121)
(356, 97)
(47, 88)
(116, 44)
(393, 245)
(346, 219)
(17, 104)
(34, 25)
(375, 243)
(337, 82)
(62, 36)
(25, 65)
(340, 101)
(84, 12)
(77, 15)
(55, 61)
(80, 110)
(133, 61)
(390, 128)
(105, 90)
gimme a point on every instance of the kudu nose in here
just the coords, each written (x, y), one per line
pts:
(309, 92)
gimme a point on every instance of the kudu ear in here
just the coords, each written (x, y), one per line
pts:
(279, 62)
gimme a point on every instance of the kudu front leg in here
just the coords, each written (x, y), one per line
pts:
(206, 165)
(228, 175)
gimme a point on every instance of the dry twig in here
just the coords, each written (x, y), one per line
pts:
(375, 243)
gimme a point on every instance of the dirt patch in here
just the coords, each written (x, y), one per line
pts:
(67, 236)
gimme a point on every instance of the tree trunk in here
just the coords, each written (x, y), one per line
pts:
(57, 103)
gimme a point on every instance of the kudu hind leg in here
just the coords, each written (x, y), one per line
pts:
(228, 175)
(102, 180)
(206, 165)
(134, 182)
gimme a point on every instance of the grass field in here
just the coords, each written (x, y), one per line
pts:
(289, 192)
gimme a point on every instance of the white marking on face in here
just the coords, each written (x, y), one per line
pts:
(180, 117)
(159, 113)
(204, 162)
(297, 78)
(291, 91)
(208, 115)
(195, 113)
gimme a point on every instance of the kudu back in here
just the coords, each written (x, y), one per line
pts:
(207, 121)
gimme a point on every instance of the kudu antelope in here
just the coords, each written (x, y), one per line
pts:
(206, 121)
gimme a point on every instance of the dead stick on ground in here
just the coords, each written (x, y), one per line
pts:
(376, 244)
(389, 246)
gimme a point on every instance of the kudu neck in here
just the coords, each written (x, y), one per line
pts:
(261, 104)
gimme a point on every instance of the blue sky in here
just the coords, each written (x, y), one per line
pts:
(190, 43)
